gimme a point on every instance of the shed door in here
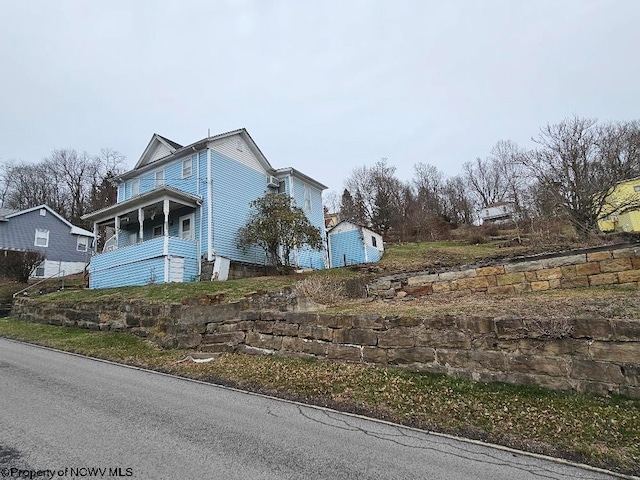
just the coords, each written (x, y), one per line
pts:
(176, 269)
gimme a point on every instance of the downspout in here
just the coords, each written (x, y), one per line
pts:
(200, 229)
(292, 195)
(328, 249)
(209, 208)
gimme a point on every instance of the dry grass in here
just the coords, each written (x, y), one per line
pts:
(605, 302)
(322, 290)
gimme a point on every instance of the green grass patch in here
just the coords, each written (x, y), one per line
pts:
(603, 432)
(426, 255)
(115, 346)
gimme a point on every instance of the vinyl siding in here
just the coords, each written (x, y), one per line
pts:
(18, 233)
(235, 186)
(159, 151)
(346, 248)
(306, 257)
(141, 264)
(350, 241)
(228, 148)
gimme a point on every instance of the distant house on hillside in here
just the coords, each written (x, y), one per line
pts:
(66, 248)
(350, 244)
(622, 208)
(499, 212)
(180, 208)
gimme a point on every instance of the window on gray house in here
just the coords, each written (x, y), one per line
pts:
(374, 242)
(82, 244)
(42, 237)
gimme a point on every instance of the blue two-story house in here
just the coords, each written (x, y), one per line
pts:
(183, 205)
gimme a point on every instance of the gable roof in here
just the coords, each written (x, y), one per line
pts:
(74, 230)
(152, 147)
(175, 145)
(145, 164)
(302, 176)
(357, 225)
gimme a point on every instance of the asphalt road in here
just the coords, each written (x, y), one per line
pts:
(59, 411)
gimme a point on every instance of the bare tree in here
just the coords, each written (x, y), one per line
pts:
(69, 182)
(459, 208)
(578, 165)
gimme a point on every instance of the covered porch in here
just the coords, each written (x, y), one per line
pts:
(153, 238)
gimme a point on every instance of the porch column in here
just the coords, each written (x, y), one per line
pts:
(140, 221)
(95, 237)
(165, 209)
(117, 223)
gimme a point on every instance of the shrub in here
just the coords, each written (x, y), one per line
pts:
(322, 290)
(19, 265)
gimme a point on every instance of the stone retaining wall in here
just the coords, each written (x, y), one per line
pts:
(584, 268)
(589, 355)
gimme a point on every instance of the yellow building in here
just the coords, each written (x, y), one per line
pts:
(622, 208)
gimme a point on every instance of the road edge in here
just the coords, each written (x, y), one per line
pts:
(332, 410)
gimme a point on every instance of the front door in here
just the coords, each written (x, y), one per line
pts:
(187, 227)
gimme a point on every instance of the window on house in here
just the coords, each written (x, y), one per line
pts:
(374, 241)
(636, 188)
(42, 237)
(82, 244)
(239, 145)
(307, 198)
(281, 187)
(133, 238)
(39, 271)
(159, 176)
(43, 212)
(187, 168)
(135, 187)
(158, 231)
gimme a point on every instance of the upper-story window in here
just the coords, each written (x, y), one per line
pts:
(239, 145)
(159, 177)
(374, 242)
(307, 199)
(82, 244)
(42, 237)
(636, 188)
(135, 187)
(187, 168)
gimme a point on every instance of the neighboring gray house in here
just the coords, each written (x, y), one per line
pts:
(66, 248)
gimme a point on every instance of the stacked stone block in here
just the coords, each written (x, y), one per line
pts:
(616, 266)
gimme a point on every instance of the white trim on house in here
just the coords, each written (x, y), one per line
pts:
(153, 153)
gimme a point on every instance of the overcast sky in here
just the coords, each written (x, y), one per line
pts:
(321, 86)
